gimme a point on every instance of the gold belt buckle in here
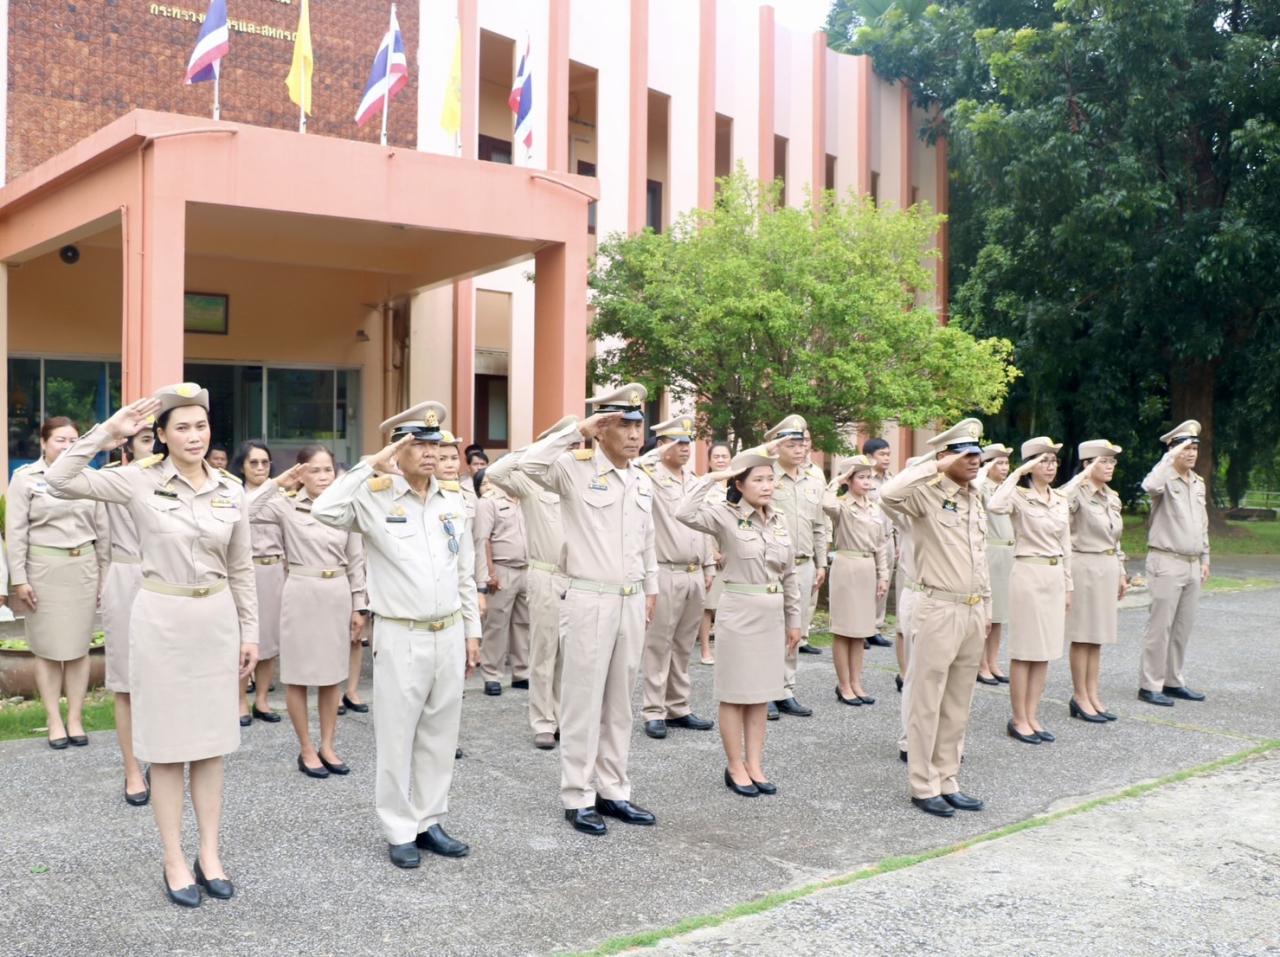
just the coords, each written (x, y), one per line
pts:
(202, 593)
(691, 567)
(328, 573)
(1109, 551)
(773, 590)
(628, 590)
(973, 599)
(75, 552)
(1053, 561)
(435, 626)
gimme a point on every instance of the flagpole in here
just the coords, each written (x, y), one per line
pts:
(217, 92)
(302, 120)
(386, 79)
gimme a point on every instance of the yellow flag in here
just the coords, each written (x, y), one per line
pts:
(451, 114)
(304, 65)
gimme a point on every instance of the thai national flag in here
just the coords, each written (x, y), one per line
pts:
(211, 45)
(521, 101)
(385, 81)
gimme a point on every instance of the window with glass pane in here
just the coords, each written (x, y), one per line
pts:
(235, 401)
(491, 412)
(77, 389)
(300, 404)
(24, 411)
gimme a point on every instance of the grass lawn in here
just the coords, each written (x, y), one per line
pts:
(1241, 538)
(1220, 585)
(26, 719)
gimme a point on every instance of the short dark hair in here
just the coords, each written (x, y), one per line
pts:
(215, 447)
(477, 480)
(872, 446)
(308, 452)
(242, 454)
(49, 426)
(720, 444)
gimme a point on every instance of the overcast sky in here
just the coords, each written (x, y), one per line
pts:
(799, 14)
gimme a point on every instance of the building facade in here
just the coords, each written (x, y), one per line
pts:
(317, 282)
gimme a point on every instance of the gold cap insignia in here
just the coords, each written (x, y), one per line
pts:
(187, 389)
(633, 398)
(431, 418)
(687, 423)
(975, 431)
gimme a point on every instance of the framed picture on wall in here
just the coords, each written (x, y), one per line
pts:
(205, 312)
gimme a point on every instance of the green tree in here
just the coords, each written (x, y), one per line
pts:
(1116, 205)
(753, 310)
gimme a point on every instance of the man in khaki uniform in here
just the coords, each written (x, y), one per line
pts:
(501, 576)
(1177, 565)
(949, 531)
(422, 592)
(606, 503)
(877, 449)
(545, 540)
(798, 499)
(685, 568)
(816, 474)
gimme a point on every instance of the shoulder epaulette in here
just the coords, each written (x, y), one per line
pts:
(292, 493)
(112, 465)
(936, 480)
(150, 460)
(225, 474)
(379, 483)
(584, 455)
(816, 472)
(647, 469)
(449, 485)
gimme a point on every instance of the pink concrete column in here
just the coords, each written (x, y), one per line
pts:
(558, 86)
(706, 111)
(906, 136)
(764, 143)
(638, 135)
(560, 331)
(818, 170)
(865, 78)
(462, 415)
(469, 26)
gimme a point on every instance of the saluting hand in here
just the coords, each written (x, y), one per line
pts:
(720, 476)
(946, 461)
(248, 659)
(473, 655)
(132, 418)
(290, 478)
(384, 462)
(590, 427)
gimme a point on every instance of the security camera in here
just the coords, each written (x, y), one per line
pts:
(69, 255)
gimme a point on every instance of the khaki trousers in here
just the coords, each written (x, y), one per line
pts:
(945, 653)
(417, 684)
(805, 574)
(603, 636)
(1175, 595)
(907, 635)
(506, 626)
(545, 657)
(882, 603)
(668, 644)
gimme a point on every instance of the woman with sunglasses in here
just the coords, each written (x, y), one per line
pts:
(252, 465)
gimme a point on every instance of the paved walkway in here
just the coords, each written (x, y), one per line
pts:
(79, 870)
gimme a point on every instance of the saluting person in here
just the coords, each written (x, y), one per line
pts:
(908, 592)
(58, 554)
(685, 567)
(502, 576)
(252, 466)
(194, 624)
(1097, 572)
(1177, 565)
(1000, 543)
(719, 456)
(877, 450)
(606, 503)
(953, 604)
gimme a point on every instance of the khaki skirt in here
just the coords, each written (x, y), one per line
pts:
(751, 648)
(118, 596)
(67, 593)
(1094, 602)
(712, 600)
(184, 666)
(852, 596)
(270, 580)
(315, 631)
(1037, 611)
(1000, 566)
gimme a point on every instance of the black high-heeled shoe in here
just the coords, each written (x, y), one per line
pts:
(139, 798)
(1017, 735)
(270, 717)
(765, 787)
(359, 707)
(1108, 716)
(188, 896)
(320, 772)
(855, 700)
(217, 887)
(744, 790)
(1076, 711)
(334, 767)
(1046, 736)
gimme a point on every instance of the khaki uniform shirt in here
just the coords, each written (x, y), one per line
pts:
(948, 526)
(540, 506)
(799, 501)
(266, 535)
(999, 524)
(413, 572)
(1040, 529)
(859, 527)
(755, 544)
(499, 522)
(1096, 521)
(33, 516)
(307, 542)
(1179, 518)
(190, 535)
(676, 543)
(607, 511)
(124, 534)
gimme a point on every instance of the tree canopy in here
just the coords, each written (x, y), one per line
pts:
(752, 310)
(1115, 205)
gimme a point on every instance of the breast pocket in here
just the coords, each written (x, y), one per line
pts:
(167, 514)
(223, 523)
(599, 506)
(403, 537)
(748, 545)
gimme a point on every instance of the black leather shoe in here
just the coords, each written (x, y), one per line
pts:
(492, 688)
(771, 714)
(268, 716)
(809, 650)
(1078, 712)
(520, 684)
(188, 896)
(457, 754)
(82, 740)
(216, 887)
(342, 709)
(320, 772)
(794, 708)
(902, 756)
(1003, 679)
(765, 787)
(586, 820)
(962, 802)
(435, 840)
(866, 699)
(656, 728)
(1017, 735)
(897, 683)
(1185, 693)
(879, 641)
(692, 722)
(934, 805)
(1046, 736)
(988, 680)
(140, 798)
(246, 720)
(59, 744)
(404, 855)
(334, 767)
(359, 707)
(742, 790)
(1108, 716)
(855, 700)
(1155, 697)
(624, 811)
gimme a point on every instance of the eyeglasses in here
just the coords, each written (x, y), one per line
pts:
(454, 544)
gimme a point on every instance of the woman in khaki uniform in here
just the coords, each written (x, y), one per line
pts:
(252, 465)
(718, 459)
(1040, 583)
(119, 590)
(58, 553)
(191, 636)
(859, 572)
(320, 610)
(502, 564)
(999, 561)
(761, 601)
(1097, 569)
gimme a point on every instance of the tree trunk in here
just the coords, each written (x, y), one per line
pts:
(1191, 386)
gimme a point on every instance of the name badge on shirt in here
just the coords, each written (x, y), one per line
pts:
(744, 523)
(599, 484)
(949, 505)
(222, 503)
(397, 518)
(166, 493)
